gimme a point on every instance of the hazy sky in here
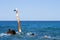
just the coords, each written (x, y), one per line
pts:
(30, 9)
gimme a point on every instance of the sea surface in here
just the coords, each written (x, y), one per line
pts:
(42, 30)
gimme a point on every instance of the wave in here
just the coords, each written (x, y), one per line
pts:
(30, 34)
(49, 37)
(4, 34)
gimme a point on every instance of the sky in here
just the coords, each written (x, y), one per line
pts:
(30, 10)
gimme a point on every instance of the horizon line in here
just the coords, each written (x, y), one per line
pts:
(30, 20)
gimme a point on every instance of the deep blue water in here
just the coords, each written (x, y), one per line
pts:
(39, 28)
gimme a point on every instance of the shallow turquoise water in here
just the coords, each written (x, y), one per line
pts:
(39, 28)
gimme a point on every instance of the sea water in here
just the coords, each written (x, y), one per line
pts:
(43, 30)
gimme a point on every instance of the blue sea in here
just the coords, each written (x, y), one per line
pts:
(43, 30)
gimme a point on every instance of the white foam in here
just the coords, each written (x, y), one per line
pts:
(4, 34)
(47, 36)
(29, 33)
(18, 32)
(50, 37)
